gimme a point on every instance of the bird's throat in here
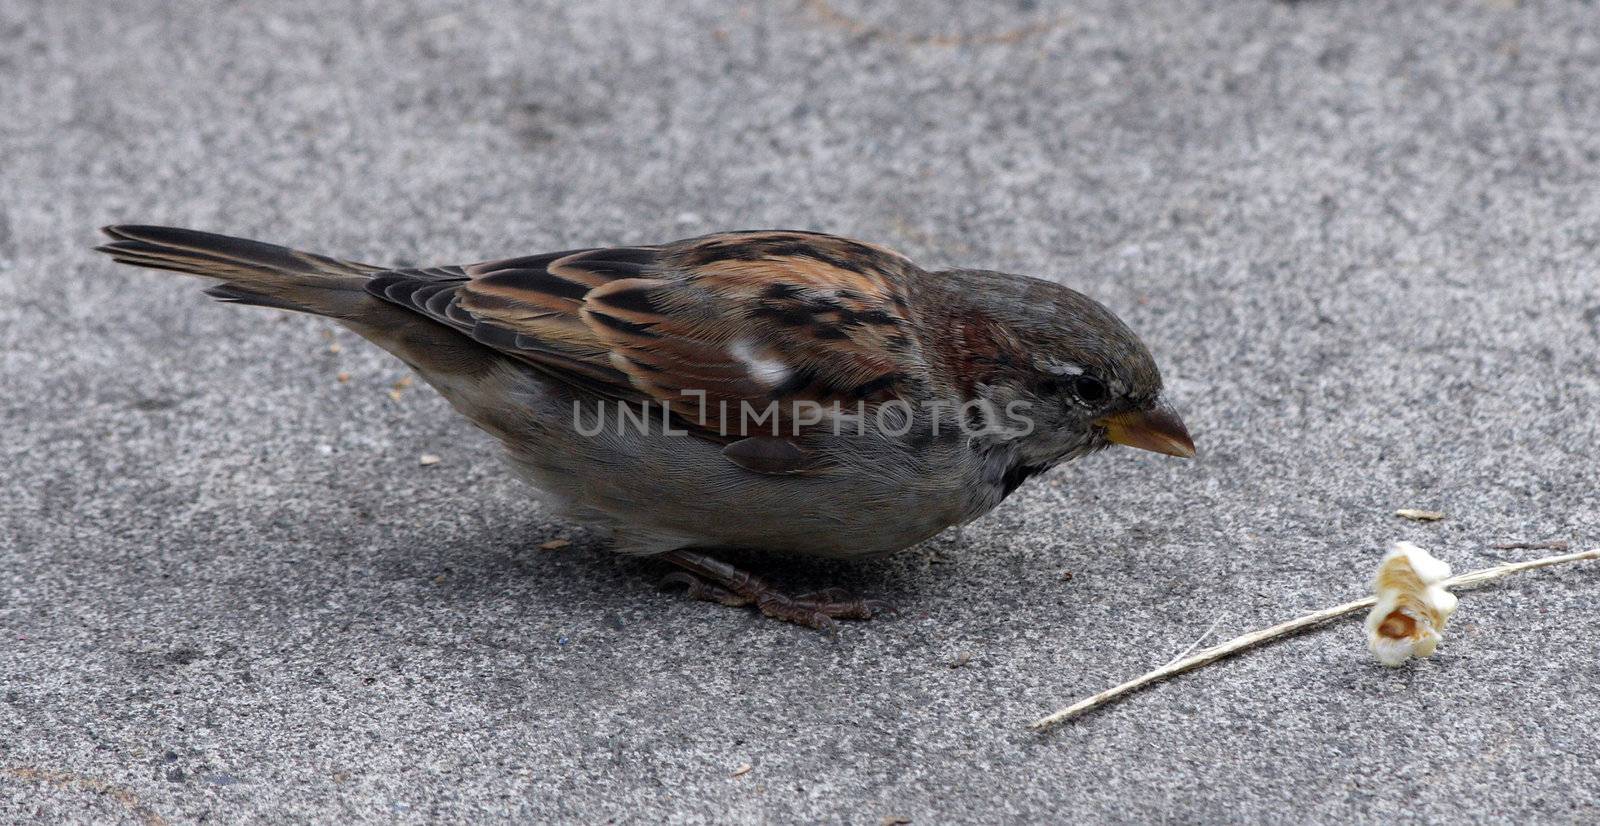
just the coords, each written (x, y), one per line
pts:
(1017, 473)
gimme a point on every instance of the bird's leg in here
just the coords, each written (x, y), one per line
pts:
(716, 581)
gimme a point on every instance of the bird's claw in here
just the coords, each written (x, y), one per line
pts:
(817, 609)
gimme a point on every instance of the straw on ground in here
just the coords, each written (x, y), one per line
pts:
(1284, 629)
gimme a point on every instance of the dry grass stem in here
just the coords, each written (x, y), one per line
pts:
(1198, 640)
(1551, 545)
(1284, 629)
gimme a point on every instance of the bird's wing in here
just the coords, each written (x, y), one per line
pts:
(748, 318)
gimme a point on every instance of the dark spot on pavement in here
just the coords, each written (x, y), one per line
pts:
(183, 656)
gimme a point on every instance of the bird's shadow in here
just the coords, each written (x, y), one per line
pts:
(551, 564)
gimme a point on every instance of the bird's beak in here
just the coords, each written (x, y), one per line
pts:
(1156, 428)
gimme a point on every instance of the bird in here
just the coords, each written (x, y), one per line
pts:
(777, 390)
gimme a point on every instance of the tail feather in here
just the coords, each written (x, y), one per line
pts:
(233, 294)
(266, 275)
(252, 272)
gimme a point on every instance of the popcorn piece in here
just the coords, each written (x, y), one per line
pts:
(1412, 606)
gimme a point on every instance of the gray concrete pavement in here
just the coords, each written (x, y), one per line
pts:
(1361, 238)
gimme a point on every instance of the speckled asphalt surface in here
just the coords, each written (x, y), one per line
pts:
(1361, 237)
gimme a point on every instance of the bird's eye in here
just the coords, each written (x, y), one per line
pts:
(1089, 389)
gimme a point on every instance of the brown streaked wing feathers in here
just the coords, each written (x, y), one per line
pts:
(753, 318)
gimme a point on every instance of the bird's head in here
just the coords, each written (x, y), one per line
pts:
(1083, 377)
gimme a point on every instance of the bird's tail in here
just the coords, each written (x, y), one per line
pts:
(251, 272)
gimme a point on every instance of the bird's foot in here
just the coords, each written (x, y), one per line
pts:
(715, 581)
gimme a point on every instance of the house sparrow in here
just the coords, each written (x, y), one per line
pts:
(788, 391)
